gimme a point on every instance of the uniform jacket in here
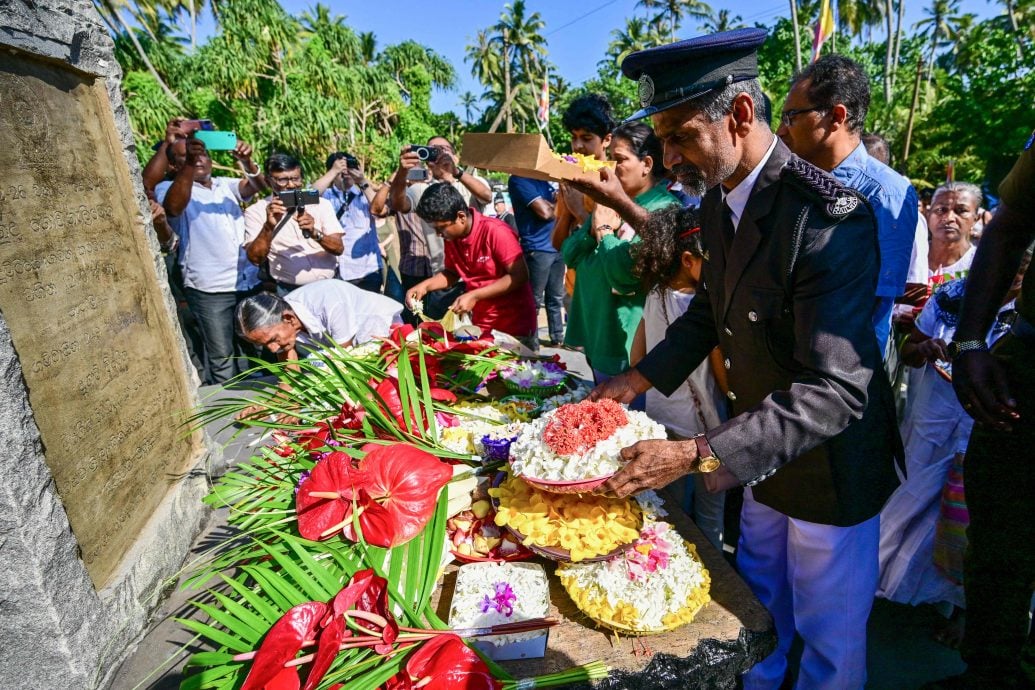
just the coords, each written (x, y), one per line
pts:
(789, 305)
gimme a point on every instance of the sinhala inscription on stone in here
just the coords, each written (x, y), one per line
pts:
(78, 290)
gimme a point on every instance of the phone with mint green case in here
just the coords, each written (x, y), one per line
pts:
(217, 140)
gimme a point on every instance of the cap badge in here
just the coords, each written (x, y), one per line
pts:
(646, 90)
(844, 205)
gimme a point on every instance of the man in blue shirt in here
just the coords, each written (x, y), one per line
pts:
(822, 122)
(350, 193)
(533, 202)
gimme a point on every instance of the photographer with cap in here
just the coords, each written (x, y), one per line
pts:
(787, 294)
(346, 187)
(302, 242)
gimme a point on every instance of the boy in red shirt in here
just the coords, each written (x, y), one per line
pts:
(484, 253)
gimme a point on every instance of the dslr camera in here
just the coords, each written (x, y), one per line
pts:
(427, 154)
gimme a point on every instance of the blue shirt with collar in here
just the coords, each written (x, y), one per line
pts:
(894, 203)
(362, 253)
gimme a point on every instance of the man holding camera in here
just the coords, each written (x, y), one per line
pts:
(205, 213)
(422, 254)
(294, 229)
(349, 192)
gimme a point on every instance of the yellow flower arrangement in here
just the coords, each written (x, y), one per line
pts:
(586, 525)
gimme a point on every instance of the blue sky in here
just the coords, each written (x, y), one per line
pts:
(577, 32)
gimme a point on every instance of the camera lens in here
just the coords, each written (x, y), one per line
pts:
(423, 152)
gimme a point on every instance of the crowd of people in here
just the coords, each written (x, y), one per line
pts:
(773, 292)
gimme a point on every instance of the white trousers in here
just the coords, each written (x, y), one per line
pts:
(817, 581)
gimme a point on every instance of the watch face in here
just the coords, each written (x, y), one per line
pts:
(708, 464)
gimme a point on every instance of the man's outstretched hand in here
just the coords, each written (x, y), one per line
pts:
(980, 384)
(624, 388)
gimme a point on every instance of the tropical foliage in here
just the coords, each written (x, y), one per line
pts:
(950, 87)
(337, 527)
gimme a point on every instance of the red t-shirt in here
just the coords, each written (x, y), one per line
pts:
(481, 259)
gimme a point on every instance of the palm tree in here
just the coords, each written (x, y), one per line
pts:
(941, 25)
(856, 16)
(508, 55)
(111, 10)
(672, 12)
(469, 102)
(722, 21)
(638, 34)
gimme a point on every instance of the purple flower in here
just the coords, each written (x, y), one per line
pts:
(301, 478)
(503, 600)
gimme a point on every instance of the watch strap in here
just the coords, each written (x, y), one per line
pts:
(706, 461)
(958, 347)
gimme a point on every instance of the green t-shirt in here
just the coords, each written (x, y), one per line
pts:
(607, 303)
(1018, 192)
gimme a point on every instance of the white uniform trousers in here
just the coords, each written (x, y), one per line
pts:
(816, 580)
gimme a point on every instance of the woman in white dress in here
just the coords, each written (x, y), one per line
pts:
(934, 432)
(668, 261)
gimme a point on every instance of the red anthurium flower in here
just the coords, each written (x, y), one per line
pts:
(368, 593)
(280, 646)
(350, 418)
(445, 663)
(324, 501)
(388, 389)
(327, 646)
(404, 481)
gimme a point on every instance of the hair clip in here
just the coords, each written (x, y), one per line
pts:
(687, 233)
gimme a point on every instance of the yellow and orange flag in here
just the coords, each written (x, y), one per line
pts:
(824, 28)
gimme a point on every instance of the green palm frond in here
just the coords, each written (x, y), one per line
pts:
(293, 570)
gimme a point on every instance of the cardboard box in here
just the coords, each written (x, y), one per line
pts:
(525, 155)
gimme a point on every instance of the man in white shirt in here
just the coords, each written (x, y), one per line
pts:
(316, 315)
(349, 192)
(302, 248)
(205, 212)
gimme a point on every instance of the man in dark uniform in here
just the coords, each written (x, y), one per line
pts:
(998, 389)
(787, 294)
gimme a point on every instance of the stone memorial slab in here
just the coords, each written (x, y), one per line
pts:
(102, 488)
(79, 293)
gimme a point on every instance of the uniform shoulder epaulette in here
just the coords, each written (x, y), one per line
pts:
(839, 201)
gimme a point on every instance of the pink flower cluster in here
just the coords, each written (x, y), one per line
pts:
(650, 553)
(578, 427)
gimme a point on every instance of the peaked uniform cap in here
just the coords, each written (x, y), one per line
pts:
(673, 74)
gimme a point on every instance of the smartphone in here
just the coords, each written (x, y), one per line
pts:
(293, 198)
(417, 175)
(196, 125)
(217, 140)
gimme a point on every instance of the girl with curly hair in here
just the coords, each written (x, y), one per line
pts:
(668, 260)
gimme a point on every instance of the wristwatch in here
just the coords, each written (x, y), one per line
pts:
(705, 461)
(365, 185)
(957, 348)
(316, 234)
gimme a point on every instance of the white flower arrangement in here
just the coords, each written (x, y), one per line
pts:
(532, 457)
(490, 594)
